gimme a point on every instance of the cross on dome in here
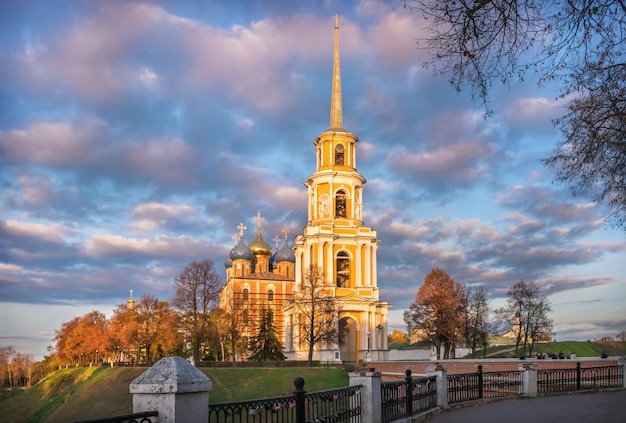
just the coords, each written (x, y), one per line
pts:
(259, 219)
(241, 228)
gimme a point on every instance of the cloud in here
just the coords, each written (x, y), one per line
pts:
(154, 210)
(50, 233)
(160, 246)
(447, 168)
(52, 144)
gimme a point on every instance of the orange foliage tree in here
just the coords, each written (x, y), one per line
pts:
(82, 340)
(397, 336)
(157, 329)
(149, 331)
(437, 312)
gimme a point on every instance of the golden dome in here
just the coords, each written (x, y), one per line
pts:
(259, 246)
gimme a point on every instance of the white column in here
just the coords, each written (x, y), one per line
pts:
(368, 265)
(374, 276)
(371, 410)
(359, 265)
(174, 388)
(442, 383)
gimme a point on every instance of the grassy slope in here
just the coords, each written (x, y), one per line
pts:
(87, 393)
(581, 349)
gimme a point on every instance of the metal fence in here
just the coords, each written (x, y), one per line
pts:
(407, 398)
(577, 379)
(335, 405)
(473, 386)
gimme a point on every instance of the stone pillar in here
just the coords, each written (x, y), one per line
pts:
(442, 383)
(371, 410)
(174, 388)
(529, 379)
(621, 362)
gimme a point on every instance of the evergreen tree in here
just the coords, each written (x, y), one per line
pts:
(265, 346)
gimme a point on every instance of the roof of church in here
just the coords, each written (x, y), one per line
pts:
(241, 251)
(285, 254)
(259, 245)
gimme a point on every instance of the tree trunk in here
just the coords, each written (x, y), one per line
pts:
(311, 345)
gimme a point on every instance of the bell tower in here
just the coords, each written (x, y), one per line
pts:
(336, 241)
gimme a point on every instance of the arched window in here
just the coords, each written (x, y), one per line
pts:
(339, 153)
(270, 295)
(343, 270)
(340, 204)
(246, 294)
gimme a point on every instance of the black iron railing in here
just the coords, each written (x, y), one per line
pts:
(577, 379)
(474, 386)
(407, 398)
(145, 417)
(335, 405)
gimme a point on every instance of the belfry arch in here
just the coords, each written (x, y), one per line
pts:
(348, 336)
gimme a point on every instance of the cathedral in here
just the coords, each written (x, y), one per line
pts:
(335, 242)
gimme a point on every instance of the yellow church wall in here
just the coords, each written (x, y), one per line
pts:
(345, 231)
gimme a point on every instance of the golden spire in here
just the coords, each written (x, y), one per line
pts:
(130, 304)
(336, 119)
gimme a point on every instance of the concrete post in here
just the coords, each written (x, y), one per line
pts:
(371, 410)
(174, 388)
(442, 383)
(529, 379)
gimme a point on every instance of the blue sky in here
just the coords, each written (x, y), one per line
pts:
(135, 136)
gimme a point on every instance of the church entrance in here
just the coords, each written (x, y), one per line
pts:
(347, 340)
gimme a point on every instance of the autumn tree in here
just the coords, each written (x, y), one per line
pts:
(316, 311)
(437, 311)
(123, 330)
(157, 329)
(580, 43)
(196, 293)
(16, 369)
(527, 314)
(67, 345)
(475, 317)
(397, 336)
(93, 331)
(82, 339)
(622, 336)
(265, 346)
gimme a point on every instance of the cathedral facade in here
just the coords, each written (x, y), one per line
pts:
(335, 242)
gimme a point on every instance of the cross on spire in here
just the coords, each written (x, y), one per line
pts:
(241, 228)
(258, 220)
(285, 233)
(276, 240)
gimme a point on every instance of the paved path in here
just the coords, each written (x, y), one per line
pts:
(601, 407)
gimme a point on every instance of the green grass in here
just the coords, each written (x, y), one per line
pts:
(88, 393)
(581, 349)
